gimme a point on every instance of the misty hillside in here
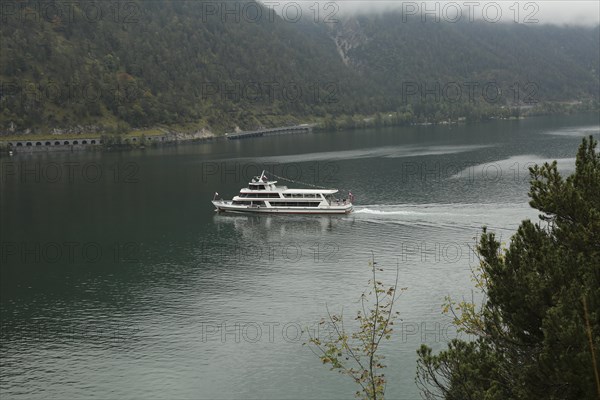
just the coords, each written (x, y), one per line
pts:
(563, 63)
(174, 65)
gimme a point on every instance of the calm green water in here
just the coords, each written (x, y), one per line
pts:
(119, 281)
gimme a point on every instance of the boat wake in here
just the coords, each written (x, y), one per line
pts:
(385, 212)
(407, 209)
(449, 216)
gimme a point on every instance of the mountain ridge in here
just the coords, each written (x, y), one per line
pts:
(176, 66)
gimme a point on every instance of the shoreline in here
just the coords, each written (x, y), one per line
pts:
(106, 142)
(131, 142)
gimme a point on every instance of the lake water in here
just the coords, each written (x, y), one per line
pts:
(118, 280)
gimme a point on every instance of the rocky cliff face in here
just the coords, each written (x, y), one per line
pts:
(347, 35)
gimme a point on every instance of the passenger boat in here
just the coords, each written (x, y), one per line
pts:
(264, 196)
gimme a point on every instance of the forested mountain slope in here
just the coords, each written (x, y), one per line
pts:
(165, 62)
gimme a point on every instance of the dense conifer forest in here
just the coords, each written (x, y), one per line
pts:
(141, 64)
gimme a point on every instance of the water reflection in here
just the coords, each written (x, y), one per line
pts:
(281, 226)
(131, 326)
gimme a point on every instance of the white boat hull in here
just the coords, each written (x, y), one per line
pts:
(227, 206)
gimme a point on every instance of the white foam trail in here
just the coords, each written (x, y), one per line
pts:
(382, 212)
(424, 210)
(439, 212)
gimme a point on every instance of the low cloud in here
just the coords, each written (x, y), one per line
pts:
(558, 12)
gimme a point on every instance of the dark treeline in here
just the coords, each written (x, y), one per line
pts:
(146, 63)
(536, 332)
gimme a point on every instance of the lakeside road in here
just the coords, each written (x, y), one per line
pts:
(92, 142)
(52, 143)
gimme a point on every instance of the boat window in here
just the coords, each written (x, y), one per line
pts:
(302, 196)
(260, 195)
(295, 204)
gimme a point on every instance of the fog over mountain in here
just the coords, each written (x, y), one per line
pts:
(530, 12)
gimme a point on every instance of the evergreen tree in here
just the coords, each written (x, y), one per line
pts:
(538, 331)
